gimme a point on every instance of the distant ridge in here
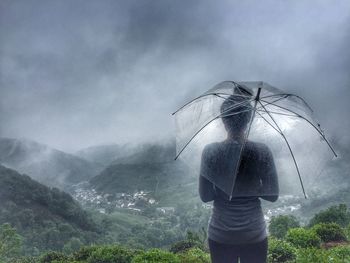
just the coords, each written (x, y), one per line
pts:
(44, 164)
(151, 168)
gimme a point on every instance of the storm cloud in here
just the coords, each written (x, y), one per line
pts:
(80, 73)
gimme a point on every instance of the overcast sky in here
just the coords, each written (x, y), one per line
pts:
(79, 73)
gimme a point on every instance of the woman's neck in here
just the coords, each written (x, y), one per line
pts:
(236, 138)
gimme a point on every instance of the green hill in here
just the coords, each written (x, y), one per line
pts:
(151, 169)
(46, 217)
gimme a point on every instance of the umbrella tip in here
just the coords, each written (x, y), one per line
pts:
(258, 94)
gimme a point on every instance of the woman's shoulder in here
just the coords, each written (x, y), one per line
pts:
(258, 150)
(258, 146)
(212, 147)
(216, 148)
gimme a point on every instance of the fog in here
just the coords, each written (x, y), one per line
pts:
(80, 73)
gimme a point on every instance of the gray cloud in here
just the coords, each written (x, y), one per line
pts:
(78, 73)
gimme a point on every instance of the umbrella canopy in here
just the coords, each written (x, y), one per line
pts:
(252, 139)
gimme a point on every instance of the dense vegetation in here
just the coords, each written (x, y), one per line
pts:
(49, 219)
(46, 218)
(152, 169)
(322, 243)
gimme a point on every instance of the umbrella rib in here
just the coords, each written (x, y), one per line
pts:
(201, 96)
(313, 125)
(284, 114)
(284, 108)
(271, 102)
(218, 116)
(205, 95)
(243, 145)
(290, 95)
(290, 149)
(268, 122)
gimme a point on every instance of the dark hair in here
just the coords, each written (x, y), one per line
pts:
(236, 118)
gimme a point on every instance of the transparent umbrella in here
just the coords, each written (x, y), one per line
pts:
(252, 139)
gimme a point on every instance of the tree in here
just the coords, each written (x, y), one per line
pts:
(334, 214)
(74, 244)
(10, 242)
(303, 238)
(279, 225)
(329, 232)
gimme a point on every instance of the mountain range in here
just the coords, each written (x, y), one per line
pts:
(45, 164)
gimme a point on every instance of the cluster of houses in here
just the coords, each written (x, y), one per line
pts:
(107, 202)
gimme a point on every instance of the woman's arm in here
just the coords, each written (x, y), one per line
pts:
(206, 189)
(269, 180)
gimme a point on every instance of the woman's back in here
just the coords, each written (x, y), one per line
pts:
(240, 219)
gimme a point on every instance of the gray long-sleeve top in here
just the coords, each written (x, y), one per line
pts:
(240, 220)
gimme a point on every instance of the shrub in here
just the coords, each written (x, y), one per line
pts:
(111, 254)
(194, 255)
(25, 260)
(334, 214)
(193, 240)
(339, 254)
(313, 255)
(52, 256)
(184, 245)
(303, 238)
(10, 242)
(329, 232)
(279, 225)
(347, 232)
(155, 256)
(280, 251)
(84, 253)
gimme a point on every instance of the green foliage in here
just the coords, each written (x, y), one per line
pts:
(279, 225)
(194, 255)
(341, 252)
(303, 238)
(47, 218)
(156, 256)
(184, 245)
(314, 255)
(73, 245)
(193, 240)
(52, 256)
(25, 260)
(329, 232)
(10, 242)
(84, 253)
(111, 254)
(334, 214)
(280, 251)
(192, 218)
(347, 232)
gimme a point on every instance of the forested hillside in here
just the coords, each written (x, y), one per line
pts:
(46, 217)
(152, 168)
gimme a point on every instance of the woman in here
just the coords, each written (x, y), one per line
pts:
(237, 228)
